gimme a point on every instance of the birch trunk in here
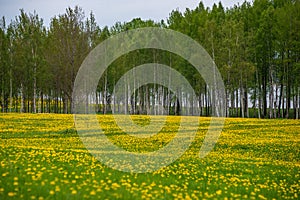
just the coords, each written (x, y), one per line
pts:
(298, 103)
(271, 96)
(3, 98)
(22, 99)
(10, 93)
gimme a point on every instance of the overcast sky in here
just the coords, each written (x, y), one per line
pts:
(107, 12)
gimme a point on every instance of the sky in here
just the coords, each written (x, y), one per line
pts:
(107, 12)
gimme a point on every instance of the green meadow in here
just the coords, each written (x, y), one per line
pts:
(42, 157)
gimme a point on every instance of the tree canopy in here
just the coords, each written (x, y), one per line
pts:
(256, 47)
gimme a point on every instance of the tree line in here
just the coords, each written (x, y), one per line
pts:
(256, 47)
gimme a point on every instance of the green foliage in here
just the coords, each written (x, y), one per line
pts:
(254, 45)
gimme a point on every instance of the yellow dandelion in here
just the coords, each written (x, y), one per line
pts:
(11, 194)
(74, 192)
(187, 197)
(261, 197)
(115, 186)
(219, 192)
(57, 188)
(168, 190)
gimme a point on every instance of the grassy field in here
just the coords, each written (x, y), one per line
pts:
(42, 157)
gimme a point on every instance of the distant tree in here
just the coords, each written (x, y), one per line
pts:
(68, 46)
(5, 73)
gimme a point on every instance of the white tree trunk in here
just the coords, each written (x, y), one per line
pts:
(3, 99)
(22, 99)
(10, 92)
(298, 103)
(127, 92)
(34, 81)
(242, 101)
(271, 96)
